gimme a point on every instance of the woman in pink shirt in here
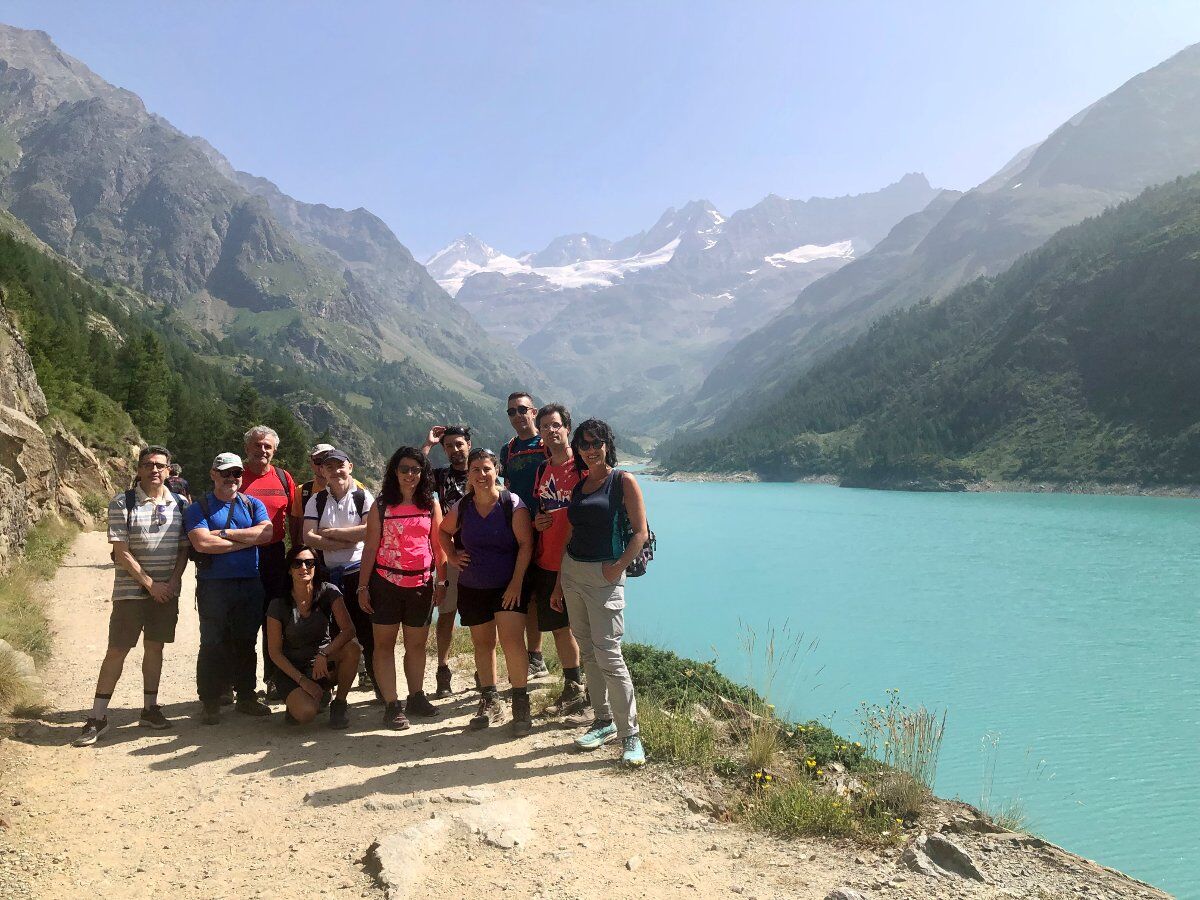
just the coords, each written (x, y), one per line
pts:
(402, 555)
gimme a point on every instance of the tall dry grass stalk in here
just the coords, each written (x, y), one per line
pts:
(908, 740)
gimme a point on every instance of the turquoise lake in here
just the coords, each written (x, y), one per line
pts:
(1061, 633)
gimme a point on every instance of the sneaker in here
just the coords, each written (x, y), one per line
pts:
(597, 736)
(252, 706)
(419, 705)
(444, 688)
(393, 716)
(522, 724)
(227, 697)
(92, 729)
(634, 754)
(211, 714)
(571, 700)
(490, 712)
(152, 717)
(537, 668)
(339, 717)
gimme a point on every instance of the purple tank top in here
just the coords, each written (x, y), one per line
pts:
(491, 543)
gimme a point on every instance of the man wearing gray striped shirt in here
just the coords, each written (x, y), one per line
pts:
(150, 549)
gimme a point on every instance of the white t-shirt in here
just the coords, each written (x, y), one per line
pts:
(339, 514)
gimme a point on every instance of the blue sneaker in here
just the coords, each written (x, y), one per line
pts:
(597, 736)
(635, 753)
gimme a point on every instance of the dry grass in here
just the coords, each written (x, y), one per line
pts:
(677, 737)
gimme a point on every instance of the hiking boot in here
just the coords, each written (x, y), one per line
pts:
(522, 724)
(339, 716)
(418, 705)
(211, 714)
(252, 706)
(326, 699)
(365, 683)
(633, 753)
(444, 688)
(581, 718)
(92, 729)
(272, 695)
(537, 668)
(227, 697)
(152, 717)
(393, 716)
(490, 712)
(597, 736)
(571, 700)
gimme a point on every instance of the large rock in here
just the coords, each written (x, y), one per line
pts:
(396, 860)
(936, 855)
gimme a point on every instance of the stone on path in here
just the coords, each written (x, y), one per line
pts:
(396, 860)
(844, 893)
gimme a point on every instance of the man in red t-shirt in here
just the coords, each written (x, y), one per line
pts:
(552, 486)
(275, 488)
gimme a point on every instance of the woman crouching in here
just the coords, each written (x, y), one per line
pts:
(488, 536)
(300, 641)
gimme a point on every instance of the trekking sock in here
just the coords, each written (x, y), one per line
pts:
(100, 706)
(572, 674)
(489, 691)
(535, 656)
(520, 692)
(151, 699)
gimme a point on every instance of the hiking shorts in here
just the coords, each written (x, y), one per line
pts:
(131, 618)
(395, 605)
(539, 585)
(478, 606)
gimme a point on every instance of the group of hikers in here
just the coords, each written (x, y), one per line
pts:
(536, 538)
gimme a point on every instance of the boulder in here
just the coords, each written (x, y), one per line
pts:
(22, 663)
(844, 893)
(950, 856)
(396, 860)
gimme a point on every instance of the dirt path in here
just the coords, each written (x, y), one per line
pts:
(254, 808)
(222, 811)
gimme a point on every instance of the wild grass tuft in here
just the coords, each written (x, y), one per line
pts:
(906, 739)
(799, 809)
(676, 736)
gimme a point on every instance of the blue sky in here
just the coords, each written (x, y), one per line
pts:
(522, 121)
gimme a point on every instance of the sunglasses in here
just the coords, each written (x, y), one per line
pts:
(520, 410)
(231, 473)
(590, 445)
(160, 514)
(408, 470)
(305, 563)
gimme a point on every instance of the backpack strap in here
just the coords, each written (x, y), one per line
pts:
(130, 502)
(360, 500)
(509, 507)
(283, 482)
(306, 491)
(322, 499)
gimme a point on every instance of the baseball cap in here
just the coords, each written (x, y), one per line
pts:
(334, 453)
(227, 461)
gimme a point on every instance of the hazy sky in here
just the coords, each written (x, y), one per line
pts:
(522, 121)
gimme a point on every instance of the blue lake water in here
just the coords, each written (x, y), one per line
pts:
(1060, 632)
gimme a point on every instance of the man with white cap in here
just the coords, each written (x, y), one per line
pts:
(225, 528)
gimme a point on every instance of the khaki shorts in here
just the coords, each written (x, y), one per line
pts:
(449, 604)
(129, 618)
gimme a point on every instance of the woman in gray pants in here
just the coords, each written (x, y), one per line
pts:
(592, 584)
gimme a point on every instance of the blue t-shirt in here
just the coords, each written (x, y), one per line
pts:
(519, 461)
(239, 563)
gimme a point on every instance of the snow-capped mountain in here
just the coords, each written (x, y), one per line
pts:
(625, 325)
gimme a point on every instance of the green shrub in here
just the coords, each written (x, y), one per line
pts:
(678, 682)
(676, 736)
(798, 809)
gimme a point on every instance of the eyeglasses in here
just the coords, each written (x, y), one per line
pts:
(305, 563)
(520, 410)
(154, 465)
(409, 470)
(231, 473)
(590, 445)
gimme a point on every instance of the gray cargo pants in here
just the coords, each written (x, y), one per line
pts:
(596, 609)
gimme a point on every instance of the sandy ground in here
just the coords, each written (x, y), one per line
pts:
(256, 808)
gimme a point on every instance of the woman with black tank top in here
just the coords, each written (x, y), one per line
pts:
(309, 659)
(591, 583)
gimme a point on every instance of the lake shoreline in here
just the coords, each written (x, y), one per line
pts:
(911, 485)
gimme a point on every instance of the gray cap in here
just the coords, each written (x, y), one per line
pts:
(225, 461)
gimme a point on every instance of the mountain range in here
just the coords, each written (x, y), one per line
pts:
(1144, 133)
(306, 288)
(628, 325)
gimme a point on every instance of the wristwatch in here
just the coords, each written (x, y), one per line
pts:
(445, 583)
(222, 534)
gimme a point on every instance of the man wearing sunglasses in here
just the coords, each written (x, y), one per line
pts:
(519, 461)
(145, 528)
(226, 528)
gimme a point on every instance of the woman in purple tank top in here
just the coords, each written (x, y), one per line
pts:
(488, 535)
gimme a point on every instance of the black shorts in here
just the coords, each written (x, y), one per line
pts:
(395, 605)
(478, 606)
(284, 685)
(130, 618)
(539, 585)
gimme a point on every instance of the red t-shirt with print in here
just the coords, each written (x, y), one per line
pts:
(270, 490)
(552, 494)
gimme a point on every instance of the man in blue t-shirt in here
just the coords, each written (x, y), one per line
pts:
(226, 528)
(519, 461)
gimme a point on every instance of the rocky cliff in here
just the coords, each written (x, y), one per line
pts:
(44, 469)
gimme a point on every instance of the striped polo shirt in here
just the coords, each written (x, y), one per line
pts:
(154, 536)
